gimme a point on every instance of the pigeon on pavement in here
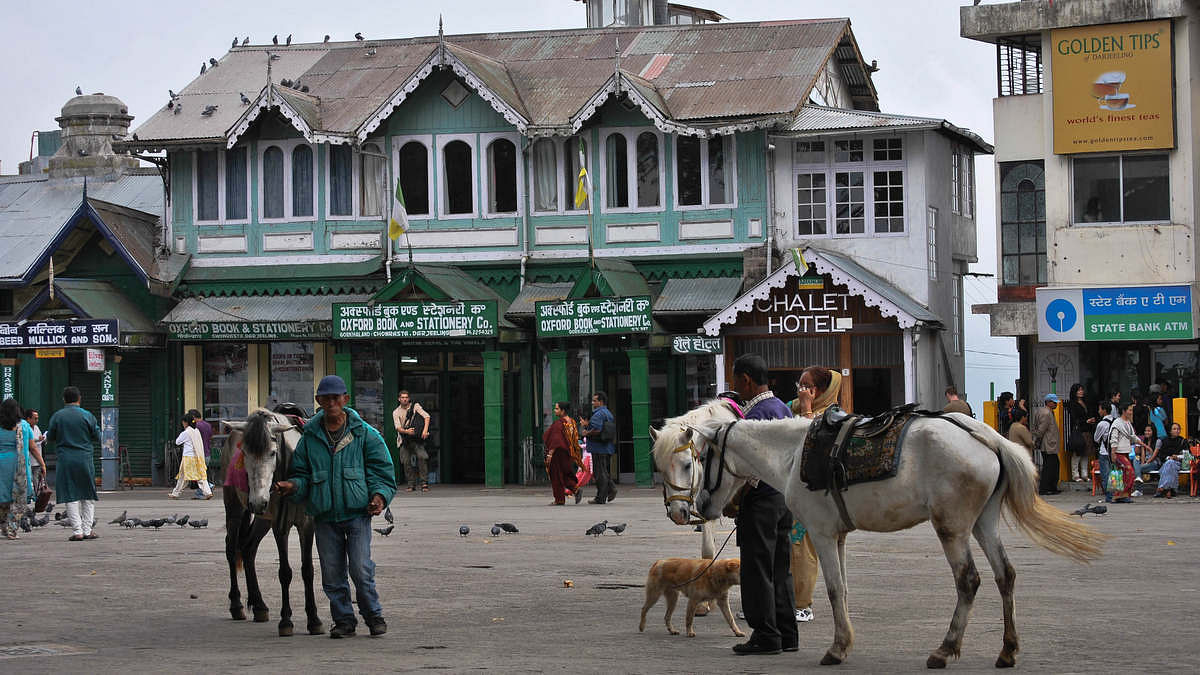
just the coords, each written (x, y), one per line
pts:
(182, 521)
(204, 522)
(386, 530)
(60, 515)
(597, 529)
(619, 528)
(1090, 508)
(463, 530)
(195, 524)
(26, 525)
(496, 530)
(508, 527)
(387, 515)
(119, 519)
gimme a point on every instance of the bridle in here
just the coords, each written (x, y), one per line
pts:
(688, 493)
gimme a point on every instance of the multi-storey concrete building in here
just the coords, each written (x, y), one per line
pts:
(1095, 171)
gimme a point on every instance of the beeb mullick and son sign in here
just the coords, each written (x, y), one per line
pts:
(73, 333)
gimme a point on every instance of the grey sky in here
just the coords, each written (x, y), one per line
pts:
(137, 50)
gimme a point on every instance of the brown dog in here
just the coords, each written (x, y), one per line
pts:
(696, 579)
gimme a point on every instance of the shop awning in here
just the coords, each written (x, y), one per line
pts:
(522, 305)
(301, 275)
(92, 299)
(442, 283)
(611, 277)
(258, 317)
(843, 270)
(697, 296)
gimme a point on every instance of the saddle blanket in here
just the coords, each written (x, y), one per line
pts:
(864, 459)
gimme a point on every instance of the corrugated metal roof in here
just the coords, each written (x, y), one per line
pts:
(881, 286)
(546, 76)
(698, 296)
(102, 300)
(522, 305)
(621, 277)
(259, 308)
(816, 119)
(34, 212)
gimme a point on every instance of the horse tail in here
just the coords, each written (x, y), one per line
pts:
(1047, 526)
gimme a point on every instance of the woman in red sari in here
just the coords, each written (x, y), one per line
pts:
(561, 441)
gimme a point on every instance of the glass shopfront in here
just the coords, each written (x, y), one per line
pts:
(366, 365)
(291, 374)
(226, 381)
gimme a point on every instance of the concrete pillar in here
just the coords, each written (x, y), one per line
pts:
(639, 394)
(493, 419)
(109, 417)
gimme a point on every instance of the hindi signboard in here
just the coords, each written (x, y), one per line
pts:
(68, 333)
(465, 319)
(1119, 313)
(593, 316)
(695, 344)
(1113, 87)
(95, 360)
(248, 331)
(8, 381)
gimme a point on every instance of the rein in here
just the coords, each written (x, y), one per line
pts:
(716, 556)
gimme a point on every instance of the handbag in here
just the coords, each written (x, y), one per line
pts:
(43, 497)
(1116, 480)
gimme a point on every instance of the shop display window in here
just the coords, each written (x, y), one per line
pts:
(366, 366)
(226, 381)
(291, 374)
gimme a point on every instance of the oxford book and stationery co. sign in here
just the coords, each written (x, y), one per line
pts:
(59, 334)
(1113, 87)
(466, 319)
(593, 316)
(249, 330)
(1121, 313)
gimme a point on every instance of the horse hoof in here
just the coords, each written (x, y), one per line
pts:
(237, 614)
(830, 660)
(316, 629)
(935, 661)
(1008, 662)
(285, 631)
(261, 615)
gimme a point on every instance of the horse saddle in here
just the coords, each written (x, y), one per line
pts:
(842, 449)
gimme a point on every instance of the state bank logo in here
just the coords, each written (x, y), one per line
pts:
(1060, 315)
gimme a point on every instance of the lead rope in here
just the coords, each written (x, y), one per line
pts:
(715, 557)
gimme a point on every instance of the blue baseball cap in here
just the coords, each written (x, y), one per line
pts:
(1049, 397)
(331, 384)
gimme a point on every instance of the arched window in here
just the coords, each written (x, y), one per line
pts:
(502, 176)
(273, 183)
(236, 183)
(371, 180)
(302, 182)
(1022, 223)
(545, 176)
(617, 171)
(341, 181)
(647, 169)
(456, 158)
(414, 177)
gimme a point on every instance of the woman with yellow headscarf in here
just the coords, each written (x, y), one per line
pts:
(819, 388)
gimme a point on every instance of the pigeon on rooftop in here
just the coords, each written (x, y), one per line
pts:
(289, 39)
(234, 45)
(78, 91)
(172, 94)
(213, 62)
(326, 38)
(208, 110)
(246, 41)
(275, 40)
(245, 100)
(359, 37)
(203, 68)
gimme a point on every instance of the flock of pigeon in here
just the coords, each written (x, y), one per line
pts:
(128, 522)
(500, 528)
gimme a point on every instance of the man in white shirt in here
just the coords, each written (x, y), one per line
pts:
(1103, 430)
(412, 429)
(38, 465)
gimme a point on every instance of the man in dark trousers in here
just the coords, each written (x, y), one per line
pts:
(601, 442)
(763, 527)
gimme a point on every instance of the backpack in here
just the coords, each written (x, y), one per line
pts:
(1102, 438)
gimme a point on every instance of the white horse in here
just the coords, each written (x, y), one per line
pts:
(959, 480)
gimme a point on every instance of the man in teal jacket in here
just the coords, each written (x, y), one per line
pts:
(342, 473)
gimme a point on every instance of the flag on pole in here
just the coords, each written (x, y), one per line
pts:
(801, 263)
(399, 221)
(581, 191)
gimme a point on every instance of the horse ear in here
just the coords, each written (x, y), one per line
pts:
(277, 428)
(653, 434)
(709, 434)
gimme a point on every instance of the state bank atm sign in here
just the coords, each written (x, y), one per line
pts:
(1117, 313)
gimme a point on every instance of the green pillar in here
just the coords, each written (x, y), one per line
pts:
(110, 415)
(341, 368)
(558, 378)
(527, 413)
(675, 382)
(639, 385)
(493, 419)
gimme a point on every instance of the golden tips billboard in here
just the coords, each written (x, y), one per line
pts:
(1112, 87)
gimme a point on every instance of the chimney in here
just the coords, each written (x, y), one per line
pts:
(89, 123)
(661, 16)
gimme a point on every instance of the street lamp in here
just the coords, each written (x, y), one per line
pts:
(1053, 370)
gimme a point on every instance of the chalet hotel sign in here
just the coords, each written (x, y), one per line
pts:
(811, 305)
